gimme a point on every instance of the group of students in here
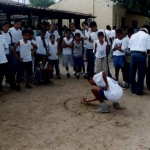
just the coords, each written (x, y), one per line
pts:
(24, 56)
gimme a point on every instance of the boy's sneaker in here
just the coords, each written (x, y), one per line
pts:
(116, 105)
(124, 86)
(68, 75)
(103, 108)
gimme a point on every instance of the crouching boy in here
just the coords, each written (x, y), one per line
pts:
(105, 88)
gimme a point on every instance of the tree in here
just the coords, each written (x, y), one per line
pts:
(136, 6)
(43, 3)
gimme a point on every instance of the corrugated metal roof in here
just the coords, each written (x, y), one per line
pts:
(13, 8)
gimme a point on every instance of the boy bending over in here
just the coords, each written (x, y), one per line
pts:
(105, 88)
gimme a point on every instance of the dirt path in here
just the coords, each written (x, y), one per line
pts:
(51, 117)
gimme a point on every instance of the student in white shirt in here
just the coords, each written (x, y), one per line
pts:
(41, 43)
(101, 50)
(4, 67)
(67, 45)
(88, 46)
(74, 31)
(53, 55)
(119, 47)
(16, 32)
(9, 54)
(113, 33)
(139, 44)
(52, 31)
(25, 59)
(105, 88)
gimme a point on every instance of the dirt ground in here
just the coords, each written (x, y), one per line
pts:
(51, 117)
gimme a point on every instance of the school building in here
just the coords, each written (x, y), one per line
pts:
(106, 12)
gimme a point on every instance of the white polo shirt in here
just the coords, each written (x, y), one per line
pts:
(3, 46)
(114, 91)
(139, 41)
(57, 36)
(16, 35)
(108, 36)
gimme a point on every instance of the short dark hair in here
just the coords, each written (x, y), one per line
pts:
(72, 23)
(93, 24)
(5, 23)
(119, 31)
(26, 31)
(77, 34)
(68, 30)
(100, 34)
(108, 27)
(31, 32)
(43, 30)
(52, 35)
(17, 20)
(84, 23)
(130, 31)
(114, 27)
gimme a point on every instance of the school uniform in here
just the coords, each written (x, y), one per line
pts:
(4, 67)
(101, 60)
(78, 55)
(49, 33)
(67, 53)
(118, 56)
(53, 58)
(139, 43)
(26, 64)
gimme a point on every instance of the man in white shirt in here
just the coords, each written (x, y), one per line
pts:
(139, 43)
(105, 88)
(52, 31)
(16, 36)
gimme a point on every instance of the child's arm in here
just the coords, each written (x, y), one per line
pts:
(107, 49)
(105, 80)
(95, 48)
(14, 51)
(71, 45)
(64, 44)
(34, 48)
(82, 49)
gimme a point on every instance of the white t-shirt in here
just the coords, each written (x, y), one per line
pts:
(114, 91)
(113, 33)
(78, 31)
(94, 36)
(3, 46)
(88, 44)
(108, 36)
(53, 50)
(139, 41)
(40, 46)
(8, 40)
(57, 36)
(25, 51)
(124, 45)
(101, 50)
(16, 35)
(67, 50)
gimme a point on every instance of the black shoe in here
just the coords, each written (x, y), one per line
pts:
(1, 91)
(68, 75)
(17, 89)
(78, 76)
(59, 77)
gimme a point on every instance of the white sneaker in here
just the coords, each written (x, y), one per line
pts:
(103, 108)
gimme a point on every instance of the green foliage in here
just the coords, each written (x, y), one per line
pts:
(43, 3)
(136, 6)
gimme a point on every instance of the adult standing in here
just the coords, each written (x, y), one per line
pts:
(139, 44)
